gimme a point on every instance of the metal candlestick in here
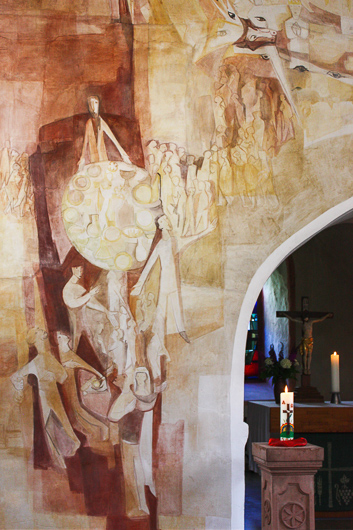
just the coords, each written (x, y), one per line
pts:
(336, 398)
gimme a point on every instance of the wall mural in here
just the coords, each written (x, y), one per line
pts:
(153, 154)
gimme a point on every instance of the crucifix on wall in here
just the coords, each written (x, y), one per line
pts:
(307, 319)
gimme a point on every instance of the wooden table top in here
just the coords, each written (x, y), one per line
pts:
(313, 417)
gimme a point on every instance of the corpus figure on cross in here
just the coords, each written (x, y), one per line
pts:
(307, 319)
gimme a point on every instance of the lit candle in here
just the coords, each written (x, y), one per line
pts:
(335, 372)
(287, 415)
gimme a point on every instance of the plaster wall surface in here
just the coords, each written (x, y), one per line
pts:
(275, 292)
(263, 206)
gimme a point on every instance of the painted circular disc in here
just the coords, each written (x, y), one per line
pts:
(94, 171)
(112, 234)
(108, 214)
(123, 261)
(143, 193)
(75, 197)
(81, 183)
(145, 220)
(71, 215)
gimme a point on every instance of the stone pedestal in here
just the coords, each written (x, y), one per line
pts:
(287, 485)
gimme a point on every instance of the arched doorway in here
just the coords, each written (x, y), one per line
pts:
(239, 429)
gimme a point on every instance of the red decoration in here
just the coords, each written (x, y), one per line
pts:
(298, 442)
(252, 369)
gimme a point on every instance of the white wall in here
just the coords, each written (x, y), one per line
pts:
(275, 293)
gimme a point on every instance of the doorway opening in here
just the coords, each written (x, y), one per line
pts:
(320, 269)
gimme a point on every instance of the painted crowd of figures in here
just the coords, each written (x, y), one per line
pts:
(189, 188)
(253, 120)
(124, 328)
(89, 403)
(16, 190)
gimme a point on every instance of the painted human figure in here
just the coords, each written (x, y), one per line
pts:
(122, 344)
(307, 343)
(166, 183)
(80, 417)
(161, 154)
(76, 299)
(219, 110)
(174, 160)
(297, 31)
(117, 350)
(190, 219)
(191, 170)
(284, 121)
(167, 253)
(212, 210)
(214, 174)
(148, 309)
(96, 127)
(202, 208)
(177, 207)
(99, 333)
(151, 165)
(5, 159)
(226, 180)
(251, 98)
(6, 166)
(182, 154)
(25, 195)
(259, 128)
(325, 34)
(12, 186)
(169, 286)
(49, 372)
(204, 172)
(130, 410)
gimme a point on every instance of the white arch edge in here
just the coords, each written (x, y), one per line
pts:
(239, 429)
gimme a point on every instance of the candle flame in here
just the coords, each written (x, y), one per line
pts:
(334, 353)
(286, 389)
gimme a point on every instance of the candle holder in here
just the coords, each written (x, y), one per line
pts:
(336, 398)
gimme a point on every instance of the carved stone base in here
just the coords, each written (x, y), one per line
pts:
(287, 485)
(307, 393)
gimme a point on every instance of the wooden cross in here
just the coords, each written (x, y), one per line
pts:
(306, 318)
(304, 313)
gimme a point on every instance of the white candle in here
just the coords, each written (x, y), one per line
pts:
(287, 415)
(335, 372)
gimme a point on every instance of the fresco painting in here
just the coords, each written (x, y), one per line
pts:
(153, 154)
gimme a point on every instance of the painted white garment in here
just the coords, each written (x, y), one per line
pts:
(75, 298)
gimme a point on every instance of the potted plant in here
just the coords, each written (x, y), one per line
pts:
(280, 368)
